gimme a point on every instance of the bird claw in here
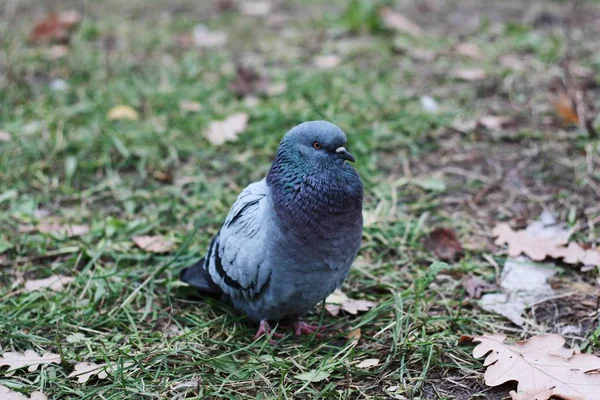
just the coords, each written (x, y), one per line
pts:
(265, 330)
(302, 328)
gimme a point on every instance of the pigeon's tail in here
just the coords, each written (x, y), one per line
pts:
(199, 278)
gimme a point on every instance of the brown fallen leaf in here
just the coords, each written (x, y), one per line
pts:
(29, 359)
(368, 363)
(543, 243)
(398, 22)
(514, 62)
(327, 61)
(7, 394)
(85, 370)
(565, 108)
(444, 244)
(532, 394)
(122, 112)
(354, 335)
(493, 122)
(255, 8)
(62, 229)
(249, 82)
(54, 282)
(56, 27)
(541, 361)
(220, 132)
(467, 49)
(470, 75)
(338, 301)
(475, 286)
(154, 244)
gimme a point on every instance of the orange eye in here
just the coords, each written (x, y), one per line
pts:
(317, 145)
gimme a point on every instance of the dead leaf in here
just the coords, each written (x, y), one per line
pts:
(85, 370)
(544, 239)
(55, 282)
(444, 244)
(30, 359)
(532, 394)
(255, 8)
(398, 22)
(565, 107)
(471, 75)
(493, 122)
(202, 37)
(220, 132)
(475, 286)
(541, 361)
(326, 61)
(368, 363)
(354, 335)
(122, 112)
(61, 229)
(338, 301)
(154, 244)
(467, 49)
(56, 27)
(7, 394)
(5, 136)
(524, 283)
(249, 82)
(190, 106)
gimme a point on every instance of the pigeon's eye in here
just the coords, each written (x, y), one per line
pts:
(317, 145)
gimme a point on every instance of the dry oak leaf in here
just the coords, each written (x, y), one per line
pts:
(63, 229)
(444, 244)
(368, 363)
(122, 112)
(468, 50)
(249, 82)
(256, 8)
(532, 394)
(541, 361)
(202, 37)
(153, 244)
(54, 282)
(85, 370)
(493, 122)
(396, 21)
(475, 286)
(55, 27)
(327, 61)
(565, 107)
(220, 132)
(536, 248)
(338, 301)
(30, 359)
(7, 394)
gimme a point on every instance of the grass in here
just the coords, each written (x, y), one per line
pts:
(67, 162)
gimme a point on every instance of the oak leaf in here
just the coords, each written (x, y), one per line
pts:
(444, 244)
(85, 370)
(7, 394)
(30, 359)
(54, 282)
(229, 129)
(153, 244)
(540, 362)
(338, 301)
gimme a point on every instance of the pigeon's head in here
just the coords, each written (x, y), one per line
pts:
(318, 143)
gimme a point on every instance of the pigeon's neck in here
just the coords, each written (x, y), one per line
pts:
(313, 202)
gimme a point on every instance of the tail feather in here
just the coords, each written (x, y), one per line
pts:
(199, 278)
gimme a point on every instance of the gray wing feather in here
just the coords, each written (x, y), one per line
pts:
(236, 262)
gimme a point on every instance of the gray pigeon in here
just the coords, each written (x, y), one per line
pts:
(290, 239)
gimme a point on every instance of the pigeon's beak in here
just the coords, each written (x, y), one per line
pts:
(345, 154)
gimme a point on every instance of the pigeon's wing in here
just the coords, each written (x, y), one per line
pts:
(236, 257)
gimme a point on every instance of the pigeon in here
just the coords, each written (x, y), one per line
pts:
(289, 240)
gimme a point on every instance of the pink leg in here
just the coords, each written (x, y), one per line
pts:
(265, 330)
(302, 328)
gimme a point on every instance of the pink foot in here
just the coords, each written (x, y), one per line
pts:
(302, 328)
(265, 330)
